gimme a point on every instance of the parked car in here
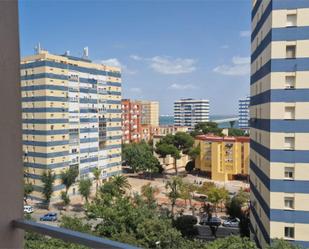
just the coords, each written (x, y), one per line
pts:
(234, 222)
(28, 209)
(49, 217)
(213, 221)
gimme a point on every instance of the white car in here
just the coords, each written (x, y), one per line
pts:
(231, 222)
(28, 209)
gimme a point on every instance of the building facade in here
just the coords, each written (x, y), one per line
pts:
(243, 113)
(189, 112)
(71, 118)
(148, 132)
(131, 121)
(223, 158)
(279, 166)
(150, 112)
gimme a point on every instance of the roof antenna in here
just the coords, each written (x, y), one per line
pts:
(37, 48)
(85, 53)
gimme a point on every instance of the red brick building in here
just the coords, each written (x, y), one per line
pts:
(131, 121)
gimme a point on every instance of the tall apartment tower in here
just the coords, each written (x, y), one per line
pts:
(150, 112)
(71, 117)
(279, 175)
(131, 121)
(243, 113)
(189, 112)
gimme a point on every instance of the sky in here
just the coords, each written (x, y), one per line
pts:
(167, 49)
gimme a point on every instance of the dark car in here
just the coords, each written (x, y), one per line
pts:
(213, 221)
(49, 217)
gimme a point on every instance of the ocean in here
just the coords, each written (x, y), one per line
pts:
(169, 120)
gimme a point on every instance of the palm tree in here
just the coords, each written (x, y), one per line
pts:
(121, 183)
(84, 186)
(97, 173)
(174, 186)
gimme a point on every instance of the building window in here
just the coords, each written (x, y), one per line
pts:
(289, 143)
(290, 82)
(291, 51)
(289, 202)
(289, 173)
(291, 20)
(289, 232)
(289, 112)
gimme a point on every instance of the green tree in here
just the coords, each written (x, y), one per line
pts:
(234, 206)
(236, 132)
(75, 224)
(28, 189)
(158, 233)
(206, 128)
(65, 198)
(139, 157)
(187, 190)
(232, 123)
(96, 173)
(149, 192)
(205, 187)
(175, 145)
(121, 183)
(169, 149)
(232, 242)
(217, 195)
(173, 186)
(68, 177)
(84, 187)
(48, 179)
(283, 244)
(186, 225)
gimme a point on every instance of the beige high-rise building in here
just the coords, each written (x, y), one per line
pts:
(150, 112)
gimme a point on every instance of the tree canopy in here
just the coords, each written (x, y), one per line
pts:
(205, 128)
(139, 157)
(48, 179)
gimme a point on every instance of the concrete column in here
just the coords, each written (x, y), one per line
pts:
(11, 169)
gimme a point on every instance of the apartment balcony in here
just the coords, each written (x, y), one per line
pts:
(12, 224)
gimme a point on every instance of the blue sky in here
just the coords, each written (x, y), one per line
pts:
(167, 49)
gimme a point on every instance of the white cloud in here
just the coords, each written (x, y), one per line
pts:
(240, 66)
(176, 86)
(136, 57)
(225, 46)
(167, 65)
(114, 62)
(240, 60)
(245, 33)
(135, 90)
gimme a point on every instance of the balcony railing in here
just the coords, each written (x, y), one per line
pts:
(70, 236)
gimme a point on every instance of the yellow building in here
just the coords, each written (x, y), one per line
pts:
(223, 157)
(150, 112)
